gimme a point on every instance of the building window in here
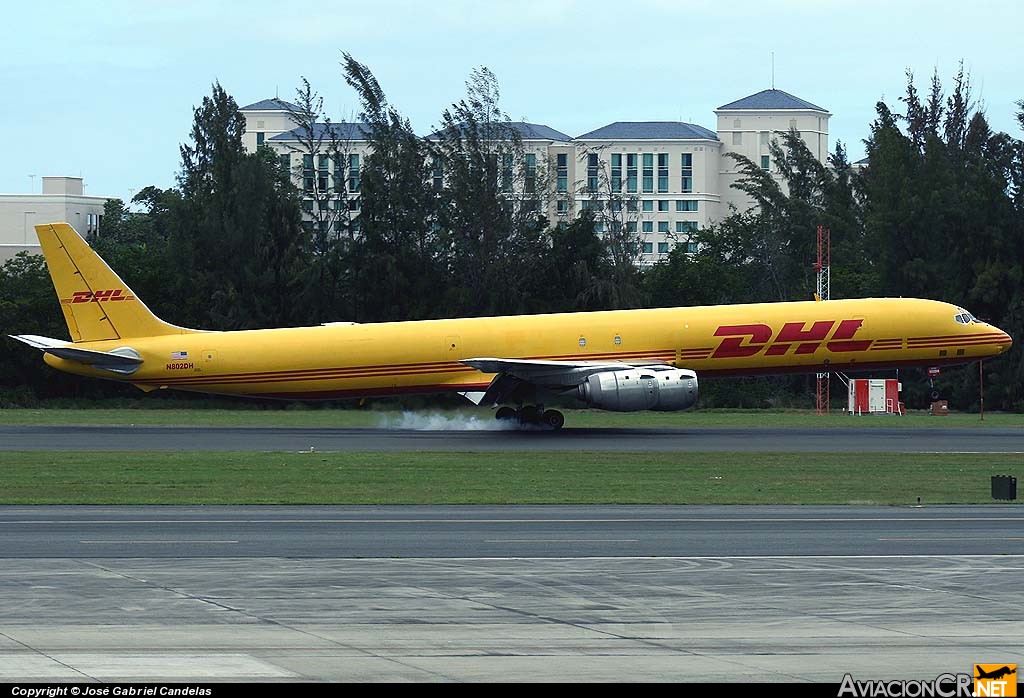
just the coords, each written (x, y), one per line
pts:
(592, 165)
(686, 226)
(531, 173)
(663, 172)
(631, 173)
(259, 138)
(736, 123)
(563, 206)
(648, 247)
(616, 172)
(323, 162)
(438, 175)
(765, 162)
(630, 226)
(737, 137)
(631, 205)
(648, 226)
(684, 205)
(691, 246)
(307, 172)
(353, 173)
(506, 173)
(663, 205)
(648, 175)
(687, 171)
(307, 205)
(648, 206)
(662, 226)
(286, 161)
(563, 172)
(764, 138)
(662, 247)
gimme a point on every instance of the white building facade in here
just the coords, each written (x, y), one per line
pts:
(673, 177)
(63, 200)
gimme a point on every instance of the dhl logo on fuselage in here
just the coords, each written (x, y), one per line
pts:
(748, 340)
(103, 296)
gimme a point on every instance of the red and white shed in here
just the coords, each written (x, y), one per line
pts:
(874, 396)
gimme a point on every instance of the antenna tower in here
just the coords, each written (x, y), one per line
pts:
(822, 267)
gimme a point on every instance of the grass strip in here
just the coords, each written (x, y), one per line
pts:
(44, 477)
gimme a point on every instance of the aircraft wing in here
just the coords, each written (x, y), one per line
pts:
(124, 360)
(553, 375)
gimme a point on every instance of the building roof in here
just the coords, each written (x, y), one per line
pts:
(651, 130)
(347, 131)
(770, 99)
(273, 104)
(526, 131)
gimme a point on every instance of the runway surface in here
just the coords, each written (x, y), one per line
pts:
(507, 593)
(511, 531)
(82, 438)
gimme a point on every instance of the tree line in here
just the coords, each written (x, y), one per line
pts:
(936, 212)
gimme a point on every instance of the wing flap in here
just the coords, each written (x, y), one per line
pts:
(550, 374)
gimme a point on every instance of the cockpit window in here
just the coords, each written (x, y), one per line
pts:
(964, 317)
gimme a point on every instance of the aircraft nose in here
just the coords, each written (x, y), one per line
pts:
(1004, 341)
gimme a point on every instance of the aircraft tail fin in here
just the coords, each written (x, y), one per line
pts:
(97, 304)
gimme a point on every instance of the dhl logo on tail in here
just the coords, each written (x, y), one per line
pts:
(103, 296)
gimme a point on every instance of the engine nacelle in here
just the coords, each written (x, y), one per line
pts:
(637, 389)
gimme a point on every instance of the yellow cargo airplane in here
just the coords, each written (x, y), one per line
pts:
(622, 360)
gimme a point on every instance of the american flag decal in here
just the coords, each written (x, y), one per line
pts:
(179, 355)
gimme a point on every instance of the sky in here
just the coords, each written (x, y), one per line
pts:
(105, 91)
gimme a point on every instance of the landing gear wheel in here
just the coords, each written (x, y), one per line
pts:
(505, 413)
(553, 418)
(529, 415)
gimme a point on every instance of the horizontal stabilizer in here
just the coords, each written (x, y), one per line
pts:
(124, 360)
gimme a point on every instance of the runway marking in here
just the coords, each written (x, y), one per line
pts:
(669, 558)
(996, 539)
(970, 453)
(563, 540)
(154, 542)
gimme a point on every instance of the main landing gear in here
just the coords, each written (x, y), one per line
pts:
(532, 415)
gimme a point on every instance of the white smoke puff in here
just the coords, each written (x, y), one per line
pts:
(437, 421)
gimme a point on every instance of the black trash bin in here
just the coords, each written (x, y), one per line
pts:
(1004, 487)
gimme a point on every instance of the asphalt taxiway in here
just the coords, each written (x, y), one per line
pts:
(466, 531)
(483, 437)
(519, 593)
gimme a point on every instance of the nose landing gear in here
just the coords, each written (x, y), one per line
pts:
(531, 415)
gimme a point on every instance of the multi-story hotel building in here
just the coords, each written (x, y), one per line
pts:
(673, 177)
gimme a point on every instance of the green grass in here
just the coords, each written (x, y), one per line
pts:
(498, 478)
(574, 418)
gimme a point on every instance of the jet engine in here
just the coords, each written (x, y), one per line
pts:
(640, 389)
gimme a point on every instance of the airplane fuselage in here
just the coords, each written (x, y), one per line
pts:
(359, 360)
